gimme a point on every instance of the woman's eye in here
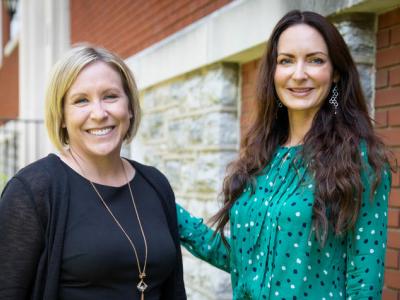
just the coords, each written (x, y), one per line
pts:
(284, 61)
(110, 96)
(317, 60)
(81, 101)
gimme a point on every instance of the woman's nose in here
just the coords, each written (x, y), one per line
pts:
(98, 110)
(299, 71)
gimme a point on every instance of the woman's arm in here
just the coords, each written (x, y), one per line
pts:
(367, 246)
(198, 239)
(21, 241)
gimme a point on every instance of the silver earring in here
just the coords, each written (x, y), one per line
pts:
(280, 105)
(333, 99)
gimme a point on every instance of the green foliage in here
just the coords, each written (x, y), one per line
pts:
(3, 180)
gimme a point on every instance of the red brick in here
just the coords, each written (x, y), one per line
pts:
(249, 72)
(134, 25)
(381, 78)
(250, 78)
(247, 114)
(247, 91)
(393, 238)
(396, 181)
(382, 38)
(5, 25)
(395, 35)
(387, 97)
(394, 198)
(389, 294)
(9, 104)
(388, 57)
(395, 159)
(392, 278)
(394, 116)
(390, 136)
(248, 107)
(392, 258)
(393, 217)
(245, 77)
(390, 18)
(394, 76)
(381, 118)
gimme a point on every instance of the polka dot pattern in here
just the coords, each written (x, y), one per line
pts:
(274, 252)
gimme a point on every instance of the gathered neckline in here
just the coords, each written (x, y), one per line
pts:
(291, 147)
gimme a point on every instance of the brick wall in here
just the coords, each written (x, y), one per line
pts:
(5, 26)
(248, 74)
(9, 86)
(8, 74)
(387, 105)
(131, 26)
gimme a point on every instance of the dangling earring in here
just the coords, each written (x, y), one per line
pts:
(333, 99)
(280, 105)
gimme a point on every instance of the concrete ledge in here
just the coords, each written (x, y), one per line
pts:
(230, 30)
(236, 32)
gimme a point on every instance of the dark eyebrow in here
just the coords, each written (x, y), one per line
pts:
(308, 54)
(317, 52)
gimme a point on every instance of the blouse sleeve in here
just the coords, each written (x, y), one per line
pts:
(21, 241)
(366, 247)
(198, 239)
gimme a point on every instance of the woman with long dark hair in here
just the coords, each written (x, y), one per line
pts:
(307, 198)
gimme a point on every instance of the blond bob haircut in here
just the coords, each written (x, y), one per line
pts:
(63, 75)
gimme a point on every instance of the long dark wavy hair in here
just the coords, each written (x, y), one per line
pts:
(331, 147)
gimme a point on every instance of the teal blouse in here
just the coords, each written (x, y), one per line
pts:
(274, 251)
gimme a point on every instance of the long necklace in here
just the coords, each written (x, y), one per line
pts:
(141, 286)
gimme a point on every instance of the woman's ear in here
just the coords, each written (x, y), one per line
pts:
(336, 76)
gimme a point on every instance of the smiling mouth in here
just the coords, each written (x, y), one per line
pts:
(100, 132)
(300, 90)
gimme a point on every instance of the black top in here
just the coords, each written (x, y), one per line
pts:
(33, 216)
(98, 262)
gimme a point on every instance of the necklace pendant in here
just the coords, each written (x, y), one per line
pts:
(141, 286)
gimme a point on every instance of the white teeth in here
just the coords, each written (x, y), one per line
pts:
(100, 132)
(300, 90)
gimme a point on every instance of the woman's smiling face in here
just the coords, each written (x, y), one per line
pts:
(96, 111)
(304, 72)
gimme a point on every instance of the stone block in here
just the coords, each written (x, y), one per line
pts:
(152, 127)
(207, 171)
(205, 282)
(189, 129)
(154, 98)
(367, 78)
(360, 40)
(220, 85)
(221, 129)
(211, 129)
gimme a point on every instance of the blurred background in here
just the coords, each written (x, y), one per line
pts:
(195, 63)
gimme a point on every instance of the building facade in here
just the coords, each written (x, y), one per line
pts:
(195, 63)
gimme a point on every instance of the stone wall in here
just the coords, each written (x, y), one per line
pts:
(358, 31)
(190, 131)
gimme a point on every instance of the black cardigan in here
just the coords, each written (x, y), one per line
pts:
(33, 214)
